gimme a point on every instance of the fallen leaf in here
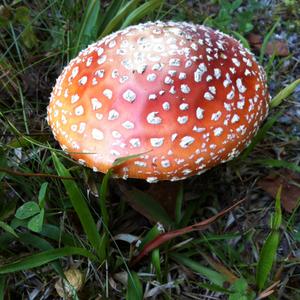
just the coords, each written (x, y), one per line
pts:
(278, 47)
(290, 183)
(275, 46)
(255, 40)
(75, 278)
(269, 291)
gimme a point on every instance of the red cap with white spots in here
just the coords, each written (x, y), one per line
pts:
(185, 95)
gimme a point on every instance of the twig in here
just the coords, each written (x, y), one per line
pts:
(163, 238)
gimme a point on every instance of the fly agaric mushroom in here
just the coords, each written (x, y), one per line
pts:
(185, 95)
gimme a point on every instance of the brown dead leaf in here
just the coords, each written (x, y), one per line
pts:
(218, 266)
(255, 40)
(75, 278)
(277, 47)
(268, 291)
(290, 182)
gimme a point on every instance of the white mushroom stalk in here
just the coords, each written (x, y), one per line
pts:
(189, 96)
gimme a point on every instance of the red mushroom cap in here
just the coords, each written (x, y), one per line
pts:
(189, 96)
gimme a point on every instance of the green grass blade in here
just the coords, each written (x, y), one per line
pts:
(270, 64)
(55, 233)
(34, 241)
(31, 240)
(141, 11)
(103, 190)
(151, 235)
(110, 12)
(8, 229)
(116, 21)
(121, 160)
(88, 26)
(81, 208)
(266, 259)
(134, 289)
(266, 41)
(155, 259)
(153, 208)
(23, 108)
(283, 94)
(213, 276)
(277, 219)
(42, 194)
(267, 255)
(242, 39)
(102, 197)
(274, 163)
(22, 138)
(42, 258)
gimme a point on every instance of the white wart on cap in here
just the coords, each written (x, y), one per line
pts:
(189, 96)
